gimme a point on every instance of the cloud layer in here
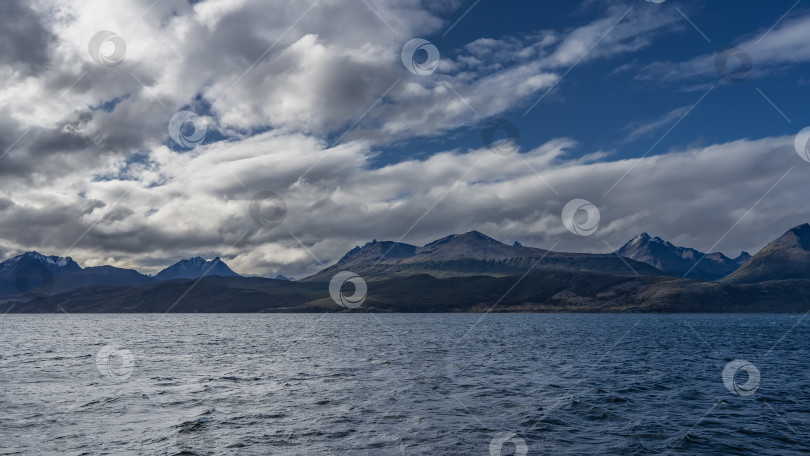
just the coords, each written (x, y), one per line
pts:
(300, 99)
(176, 203)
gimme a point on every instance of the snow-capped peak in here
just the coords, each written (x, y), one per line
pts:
(52, 263)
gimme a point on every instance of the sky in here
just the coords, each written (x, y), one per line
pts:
(278, 135)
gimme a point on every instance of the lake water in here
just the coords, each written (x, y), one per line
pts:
(354, 384)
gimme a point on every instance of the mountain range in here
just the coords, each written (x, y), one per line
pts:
(33, 274)
(461, 272)
(470, 254)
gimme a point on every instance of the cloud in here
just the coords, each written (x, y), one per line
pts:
(302, 100)
(622, 31)
(769, 50)
(313, 67)
(184, 204)
(641, 129)
(25, 39)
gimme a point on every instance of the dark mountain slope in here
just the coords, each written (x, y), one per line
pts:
(541, 291)
(102, 275)
(680, 261)
(194, 268)
(787, 257)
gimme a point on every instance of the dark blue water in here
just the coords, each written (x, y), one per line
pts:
(403, 384)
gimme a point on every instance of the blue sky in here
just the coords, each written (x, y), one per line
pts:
(600, 105)
(311, 102)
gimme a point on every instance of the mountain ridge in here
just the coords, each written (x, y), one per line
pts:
(457, 257)
(194, 268)
(436, 279)
(470, 253)
(680, 261)
(33, 274)
(786, 257)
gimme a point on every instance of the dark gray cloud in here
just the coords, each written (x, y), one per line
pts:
(343, 203)
(25, 41)
(67, 136)
(102, 178)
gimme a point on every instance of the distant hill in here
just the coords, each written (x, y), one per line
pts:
(680, 261)
(539, 291)
(470, 254)
(787, 257)
(112, 273)
(103, 275)
(194, 268)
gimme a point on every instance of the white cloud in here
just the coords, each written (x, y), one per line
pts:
(786, 44)
(640, 129)
(309, 67)
(203, 209)
(301, 85)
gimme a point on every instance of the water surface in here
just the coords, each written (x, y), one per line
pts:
(432, 384)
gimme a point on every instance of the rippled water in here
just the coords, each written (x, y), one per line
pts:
(401, 384)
